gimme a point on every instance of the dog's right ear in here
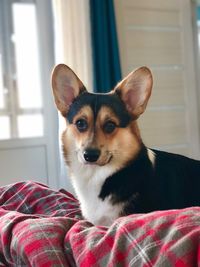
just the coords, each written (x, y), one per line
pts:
(66, 87)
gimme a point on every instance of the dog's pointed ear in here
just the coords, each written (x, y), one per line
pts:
(135, 90)
(66, 87)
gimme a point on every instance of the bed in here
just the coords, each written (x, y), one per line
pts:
(43, 227)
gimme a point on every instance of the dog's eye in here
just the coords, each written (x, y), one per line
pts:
(109, 127)
(81, 125)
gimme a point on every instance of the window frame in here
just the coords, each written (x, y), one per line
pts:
(11, 108)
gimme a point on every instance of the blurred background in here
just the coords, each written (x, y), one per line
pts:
(102, 41)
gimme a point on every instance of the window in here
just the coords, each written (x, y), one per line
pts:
(21, 107)
(198, 22)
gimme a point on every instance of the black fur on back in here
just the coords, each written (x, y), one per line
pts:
(172, 183)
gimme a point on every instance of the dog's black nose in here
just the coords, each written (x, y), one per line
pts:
(91, 154)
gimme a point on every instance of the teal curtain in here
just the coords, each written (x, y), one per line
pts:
(106, 62)
(198, 13)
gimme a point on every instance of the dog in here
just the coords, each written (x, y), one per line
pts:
(114, 174)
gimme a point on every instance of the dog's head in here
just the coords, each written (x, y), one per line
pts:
(101, 128)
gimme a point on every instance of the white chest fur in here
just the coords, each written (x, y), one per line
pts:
(87, 181)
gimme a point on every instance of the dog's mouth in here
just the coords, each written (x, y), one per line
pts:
(93, 157)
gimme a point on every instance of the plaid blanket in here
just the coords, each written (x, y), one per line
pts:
(42, 227)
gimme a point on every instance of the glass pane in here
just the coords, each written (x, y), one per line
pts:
(27, 60)
(30, 125)
(5, 127)
(1, 84)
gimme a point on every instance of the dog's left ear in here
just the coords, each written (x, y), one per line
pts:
(135, 90)
(66, 87)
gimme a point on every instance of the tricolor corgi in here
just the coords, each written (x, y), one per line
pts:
(112, 171)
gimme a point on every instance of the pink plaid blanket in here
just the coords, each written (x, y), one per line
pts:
(42, 227)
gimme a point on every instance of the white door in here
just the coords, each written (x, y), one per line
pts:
(28, 119)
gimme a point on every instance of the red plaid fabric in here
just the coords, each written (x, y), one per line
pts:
(43, 227)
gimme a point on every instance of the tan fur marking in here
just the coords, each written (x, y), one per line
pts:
(82, 140)
(85, 113)
(123, 144)
(117, 148)
(105, 114)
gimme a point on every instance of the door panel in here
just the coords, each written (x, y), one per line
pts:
(23, 164)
